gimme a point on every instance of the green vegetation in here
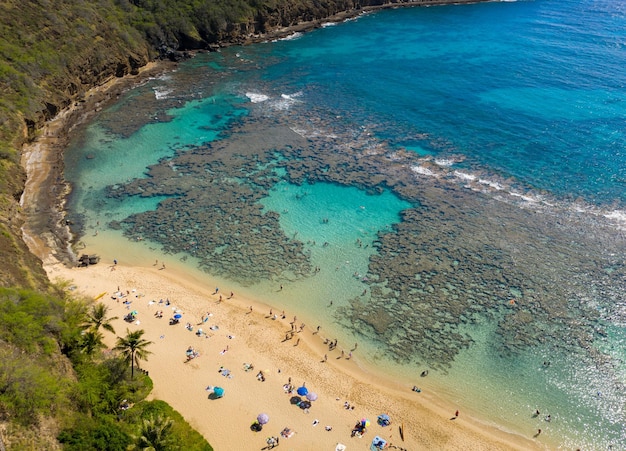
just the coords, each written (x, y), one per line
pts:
(50, 369)
(133, 348)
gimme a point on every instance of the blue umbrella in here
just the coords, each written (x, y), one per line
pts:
(218, 392)
(302, 391)
(178, 316)
(263, 418)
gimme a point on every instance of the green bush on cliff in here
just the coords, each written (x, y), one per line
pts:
(82, 391)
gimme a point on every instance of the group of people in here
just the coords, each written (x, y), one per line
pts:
(191, 353)
(272, 442)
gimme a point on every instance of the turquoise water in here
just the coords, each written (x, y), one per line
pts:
(445, 186)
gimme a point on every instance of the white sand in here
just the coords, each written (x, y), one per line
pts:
(255, 338)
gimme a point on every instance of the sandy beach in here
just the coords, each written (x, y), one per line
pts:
(240, 331)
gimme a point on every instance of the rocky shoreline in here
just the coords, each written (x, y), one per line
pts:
(45, 229)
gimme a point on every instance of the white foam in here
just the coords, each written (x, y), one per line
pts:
(619, 215)
(421, 170)
(491, 184)
(161, 92)
(286, 101)
(289, 38)
(523, 196)
(465, 176)
(256, 97)
(444, 162)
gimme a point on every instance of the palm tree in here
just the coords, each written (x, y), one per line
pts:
(91, 341)
(133, 347)
(155, 434)
(98, 318)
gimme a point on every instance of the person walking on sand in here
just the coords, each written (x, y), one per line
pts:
(456, 414)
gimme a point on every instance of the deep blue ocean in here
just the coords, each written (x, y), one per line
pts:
(452, 178)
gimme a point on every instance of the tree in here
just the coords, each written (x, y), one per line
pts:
(91, 342)
(98, 318)
(156, 434)
(133, 347)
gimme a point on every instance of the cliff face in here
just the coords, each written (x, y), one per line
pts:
(51, 53)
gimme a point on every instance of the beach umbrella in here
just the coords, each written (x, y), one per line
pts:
(365, 422)
(302, 391)
(295, 400)
(304, 405)
(178, 316)
(340, 447)
(311, 396)
(218, 392)
(263, 418)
